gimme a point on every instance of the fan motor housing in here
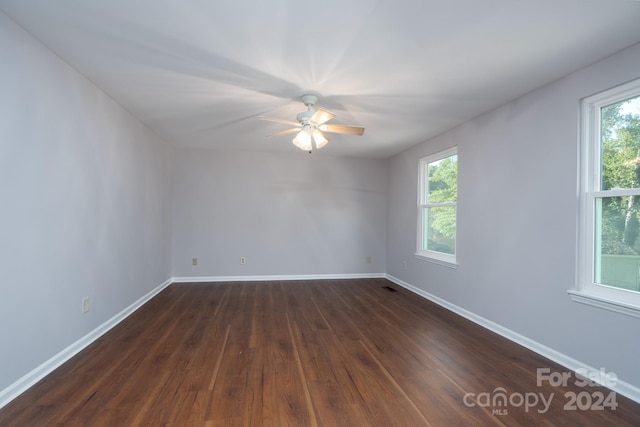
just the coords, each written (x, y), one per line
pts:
(305, 116)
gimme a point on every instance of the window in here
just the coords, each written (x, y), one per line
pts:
(609, 272)
(438, 193)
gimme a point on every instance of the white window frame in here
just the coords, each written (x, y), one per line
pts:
(586, 291)
(442, 258)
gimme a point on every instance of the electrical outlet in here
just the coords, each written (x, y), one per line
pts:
(243, 260)
(85, 305)
(194, 261)
(404, 265)
(368, 260)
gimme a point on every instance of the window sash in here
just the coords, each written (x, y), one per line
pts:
(436, 205)
(427, 216)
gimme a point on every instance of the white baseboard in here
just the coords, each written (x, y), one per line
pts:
(621, 387)
(24, 383)
(274, 278)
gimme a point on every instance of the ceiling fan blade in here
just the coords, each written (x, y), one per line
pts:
(351, 130)
(321, 116)
(272, 119)
(284, 132)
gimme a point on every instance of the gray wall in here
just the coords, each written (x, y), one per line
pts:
(517, 220)
(83, 206)
(288, 214)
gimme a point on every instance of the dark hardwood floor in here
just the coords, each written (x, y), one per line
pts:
(311, 353)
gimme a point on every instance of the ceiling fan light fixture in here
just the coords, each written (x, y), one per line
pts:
(303, 140)
(319, 139)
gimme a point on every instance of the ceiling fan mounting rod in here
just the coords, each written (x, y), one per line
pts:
(309, 101)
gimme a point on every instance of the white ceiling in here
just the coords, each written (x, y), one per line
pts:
(198, 71)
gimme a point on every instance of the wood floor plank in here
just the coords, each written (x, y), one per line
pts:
(302, 377)
(359, 352)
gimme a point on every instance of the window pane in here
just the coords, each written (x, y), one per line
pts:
(440, 229)
(620, 145)
(617, 256)
(443, 180)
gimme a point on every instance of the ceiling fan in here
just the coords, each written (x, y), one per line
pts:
(311, 126)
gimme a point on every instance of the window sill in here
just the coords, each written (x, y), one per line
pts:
(423, 257)
(604, 303)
